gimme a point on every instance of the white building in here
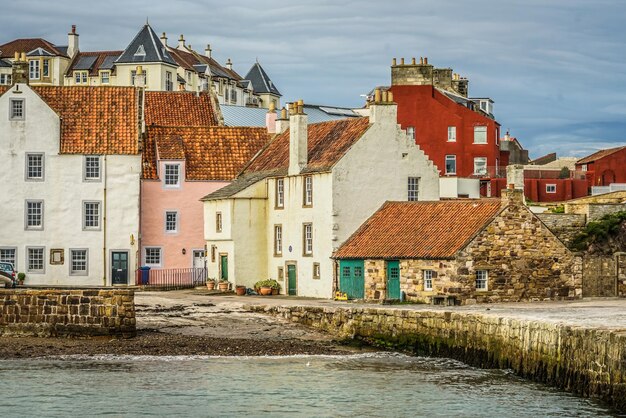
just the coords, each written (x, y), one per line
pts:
(306, 193)
(69, 213)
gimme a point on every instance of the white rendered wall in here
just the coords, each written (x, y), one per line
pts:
(452, 187)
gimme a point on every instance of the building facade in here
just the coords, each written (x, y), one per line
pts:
(604, 167)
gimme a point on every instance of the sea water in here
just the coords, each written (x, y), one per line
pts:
(369, 385)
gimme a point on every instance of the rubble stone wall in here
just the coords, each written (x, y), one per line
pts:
(564, 226)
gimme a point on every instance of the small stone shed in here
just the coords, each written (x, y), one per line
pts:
(460, 251)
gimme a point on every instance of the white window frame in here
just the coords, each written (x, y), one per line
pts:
(98, 205)
(45, 68)
(482, 279)
(278, 240)
(27, 174)
(145, 256)
(5, 79)
(428, 280)
(4, 259)
(43, 260)
(551, 188)
(133, 74)
(219, 222)
(27, 225)
(73, 252)
(169, 82)
(410, 131)
(87, 168)
(583, 167)
(480, 132)
(17, 109)
(279, 201)
(308, 191)
(450, 157)
(413, 189)
(480, 159)
(105, 77)
(166, 179)
(307, 239)
(168, 222)
(451, 133)
(34, 69)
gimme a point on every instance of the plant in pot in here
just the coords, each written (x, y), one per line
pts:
(267, 287)
(240, 290)
(210, 283)
(223, 285)
(20, 278)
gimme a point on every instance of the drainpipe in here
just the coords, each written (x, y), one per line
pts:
(104, 224)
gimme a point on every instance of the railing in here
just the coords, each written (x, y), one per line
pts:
(170, 279)
(613, 187)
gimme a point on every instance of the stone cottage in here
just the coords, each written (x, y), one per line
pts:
(459, 251)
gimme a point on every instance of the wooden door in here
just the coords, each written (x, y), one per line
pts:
(393, 279)
(291, 280)
(351, 279)
(119, 267)
(223, 267)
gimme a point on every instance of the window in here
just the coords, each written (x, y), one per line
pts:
(316, 271)
(481, 279)
(480, 134)
(171, 221)
(46, 68)
(213, 253)
(218, 222)
(34, 166)
(233, 95)
(105, 77)
(308, 191)
(428, 280)
(91, 215)
(410, 131)
(172, 175)
(169, 83)
(281, 273)
(450, 164)
(413, 189)
(92, 167)
(8, 255)
(550, 188)
(583, 167)
(78, 262)
(34, 214)
(280, 193)
(451, 133)
(5, 79)
(80, 77)
(480, 165)
(35, 259)
(278, 239)
(133, 75)
(16, 109)
(33, 70)
(307, 236)
(152, 256)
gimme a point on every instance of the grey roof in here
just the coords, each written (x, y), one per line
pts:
(40, 52)
(108, 62)
(180, 79)
(85, 62)
(146, 47)
(5, 63)
(201, 68)
(261, 82)
(218, 72)
(327, 113)
(62, 49)
(255, 116)
(240, 183)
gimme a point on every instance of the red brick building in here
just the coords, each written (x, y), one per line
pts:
(604, 167)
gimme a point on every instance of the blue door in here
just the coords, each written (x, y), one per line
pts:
(351, 278)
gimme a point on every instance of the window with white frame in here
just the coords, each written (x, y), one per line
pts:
(308, 239)
(46, 68)
(316, 271)
(428, 280)
(16, 109)
(8, 255)
(280, 193)
(308, 191)
(413, 189)
(171, 221)
(91, 215)
(92, 168)
(480, 165)
(278, 239)
(152, 256)
(450, 164)
(80, 77)
(482, 278)
(410, 131)
(550, 188)
(35, 259)
(451, 133)
(169, 82)
(233, 95)
(583, 167)
(34, 166)
(33, 70)
(34, 214)
(172, 175)
(105, 77)
(480, 134)
(218, 222)
(78, 262)
(133, 75)
(5, 79)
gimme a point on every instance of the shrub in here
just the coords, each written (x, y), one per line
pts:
(267, 283)
(599, 231)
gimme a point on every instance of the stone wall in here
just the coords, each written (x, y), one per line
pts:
(67, 313)
(621, 274)
(564, 226)
(597, 211)
(587, 362)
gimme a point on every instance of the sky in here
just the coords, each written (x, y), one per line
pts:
(555, 68)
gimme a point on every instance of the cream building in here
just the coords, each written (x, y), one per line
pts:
(306, 193)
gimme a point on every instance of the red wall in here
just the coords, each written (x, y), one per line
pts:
(430, 112)
(535, 189)
(607, 170)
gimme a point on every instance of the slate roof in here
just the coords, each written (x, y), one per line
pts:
(210, 152)
(93, 61)
(40, 52)
(5, 63)
(150, 47)
(327, 143)
(261, 82)
(179, 108)
(241, 183)
(599, 154)
(94, 120)
(419, 230)
(255, 116)
(9, 49)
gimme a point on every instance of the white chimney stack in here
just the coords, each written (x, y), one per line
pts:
(181, 42)
(164, 39)
(229, 64)
(207, 50)
(282, 123)
(298, 138)
(72, 42)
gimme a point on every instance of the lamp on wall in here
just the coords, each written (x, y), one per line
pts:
(184, 251)
(132, 239)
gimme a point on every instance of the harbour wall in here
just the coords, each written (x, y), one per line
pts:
(584, 361)
(67, 313)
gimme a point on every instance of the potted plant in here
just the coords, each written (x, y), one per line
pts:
(267, 287)
(223, 285)
(240, 290)
(210, 283)
(20, 278)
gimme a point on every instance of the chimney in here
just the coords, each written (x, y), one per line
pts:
(298, 138)
(164, 39)
(382, 108)
(515, 176)
(229, 64)
(140, 77)
(19, 70)
(181, 42)
(512, 196)
(507, 137)
(72, 42)
(282, 122)
(207, 50)
(270, 119)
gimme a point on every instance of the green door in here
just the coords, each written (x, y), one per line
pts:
(393, 279)
(119, 267)
(291, 276)
(224, 267)
(351, 280)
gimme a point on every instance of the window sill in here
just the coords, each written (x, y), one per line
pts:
(480, 143)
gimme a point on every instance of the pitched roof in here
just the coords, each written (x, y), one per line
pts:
(179, 108)
(3, 89)
(327, 143)
(9, 49)
(94, 120)
(93, 61)
(261, 82)
(145, 47)
(5, 63)
(240, 183)
(183, 59)
(599, 154)
(210, 152)
(429, 230)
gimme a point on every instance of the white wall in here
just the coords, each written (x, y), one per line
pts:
(452, 187)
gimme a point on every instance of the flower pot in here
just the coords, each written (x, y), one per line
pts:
(241, 290)
(223, 286)
(265, 291)
(274, 291)
(210, 285)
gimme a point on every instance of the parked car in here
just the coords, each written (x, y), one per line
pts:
(7, 274)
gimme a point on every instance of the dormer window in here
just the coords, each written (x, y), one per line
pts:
(16, 109)
(105, 77)
(80, 77)
(172, 175)
(141, 52)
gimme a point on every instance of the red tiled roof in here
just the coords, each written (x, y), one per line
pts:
(327, 143)
(211, 152)
(9, 49)
(101, 56)
(599, 154)
(183, 59)
(429, 230)
(179, 108)
(3, 89)
(95, 120)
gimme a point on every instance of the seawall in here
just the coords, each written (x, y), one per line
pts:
(584, 361)
(67, 313)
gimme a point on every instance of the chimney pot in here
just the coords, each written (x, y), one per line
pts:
(23, 57)
(413, 61)
(17, 56)
(421, 60)
(384, 98)
(393, 62)
(401, 61)
(390, 96)
(283, 113)
(425, 60)
(377, 96)
(73, 28)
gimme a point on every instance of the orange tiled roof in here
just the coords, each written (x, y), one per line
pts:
(184, 59)
(95, 120)
(428, 230)
(599, 154)
(211, 152)
(26, 45)
(3, 89)
(179, 108)
(327, 143)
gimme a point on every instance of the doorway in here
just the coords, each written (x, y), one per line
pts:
(292, 289)
(393, 279)
(224, 267)
(119, 267)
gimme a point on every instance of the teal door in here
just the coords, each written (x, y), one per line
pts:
(119, 267)
(224, 267)
(393, 279)
(351, 279)
(291, 280)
